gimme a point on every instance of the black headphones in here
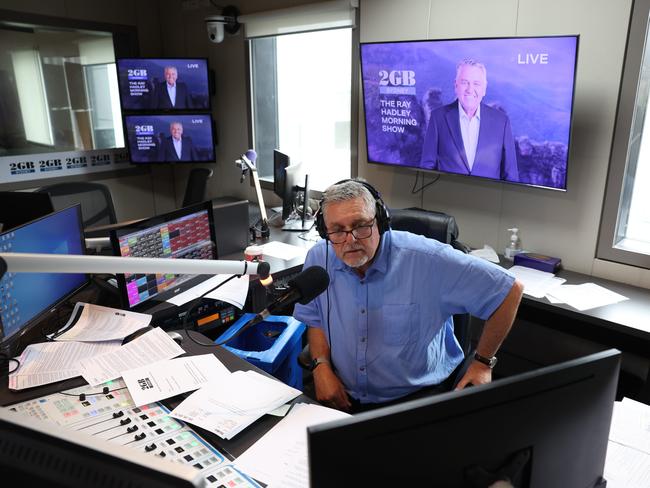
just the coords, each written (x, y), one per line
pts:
(381, 211)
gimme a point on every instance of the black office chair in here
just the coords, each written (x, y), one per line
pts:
(197, 183)
(95, 200)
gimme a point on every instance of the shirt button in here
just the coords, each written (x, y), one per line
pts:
(363, 310)
(362, 368)
(363, 339)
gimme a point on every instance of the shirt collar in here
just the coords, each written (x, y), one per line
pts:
(464, 116)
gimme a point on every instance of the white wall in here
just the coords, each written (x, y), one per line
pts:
(555, 223)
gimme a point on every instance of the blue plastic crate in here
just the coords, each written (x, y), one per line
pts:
(272, 345)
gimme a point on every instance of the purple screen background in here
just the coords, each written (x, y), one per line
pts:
(537, 98)
(200, 133)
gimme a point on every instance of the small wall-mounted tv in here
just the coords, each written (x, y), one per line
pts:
(497, 108)
(162, 84)
(163, 138)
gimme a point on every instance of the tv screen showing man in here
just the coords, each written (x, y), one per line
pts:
(163, 84)
(170, 138)
(497, 108)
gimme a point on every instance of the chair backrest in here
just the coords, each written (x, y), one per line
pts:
(441, 227)
(197, 183)
(95, 200)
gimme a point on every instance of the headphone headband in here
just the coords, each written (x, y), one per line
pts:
(381, 211)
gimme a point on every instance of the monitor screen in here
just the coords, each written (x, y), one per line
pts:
(547, 427)
(280, 164)
(170, 138)
(492, 108)
(296, 199)
(26, 297)
(187, 233)
(20, 207)
(163, 84)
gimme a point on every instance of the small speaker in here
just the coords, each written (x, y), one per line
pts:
(230, 226)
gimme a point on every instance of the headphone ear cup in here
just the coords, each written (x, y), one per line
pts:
(320, 223)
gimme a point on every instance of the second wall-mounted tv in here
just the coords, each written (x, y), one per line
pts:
(497, 108)
(165, 138)
(159, 84)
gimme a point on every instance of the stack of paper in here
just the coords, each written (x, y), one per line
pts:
(584, 296)
(232, 402)
(279, 458)
(536, 283)
(628, 452)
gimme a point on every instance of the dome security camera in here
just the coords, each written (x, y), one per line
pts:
(215, 24)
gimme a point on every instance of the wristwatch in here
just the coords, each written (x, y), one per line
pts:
(489, 362)
(315, 362)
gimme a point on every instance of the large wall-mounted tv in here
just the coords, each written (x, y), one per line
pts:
(497, 108)
(163, 84)
(165, 138)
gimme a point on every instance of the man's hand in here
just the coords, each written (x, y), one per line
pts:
(329, 389)
(476, 374)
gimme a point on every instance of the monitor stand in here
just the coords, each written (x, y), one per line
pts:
(297, 224)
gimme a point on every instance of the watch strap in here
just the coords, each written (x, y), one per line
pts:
(489, 362)
(320, 360)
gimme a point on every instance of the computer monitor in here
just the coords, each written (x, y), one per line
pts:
(187, 233)
(40, 453)
(20, 207)
(25, 298)
(553, 421)
(297, 193)
(280, 163)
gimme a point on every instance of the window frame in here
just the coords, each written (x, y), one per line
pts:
(267, 182)
(616, 192)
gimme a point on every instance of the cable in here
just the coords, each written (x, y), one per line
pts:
(6, 360)
(196, 301)
(423, 187)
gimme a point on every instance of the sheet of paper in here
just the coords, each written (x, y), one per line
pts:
(488, 253)
(233, 292)
(231, 403)
(586, 296)
(97, 323)
(626, 467)
(49, 362)
(282, 250)
(631, 425)
(536, 283)
(149, 348)
(279, 458)
(166, 379)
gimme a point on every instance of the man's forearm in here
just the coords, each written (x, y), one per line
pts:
(318, 347)
(496, 328)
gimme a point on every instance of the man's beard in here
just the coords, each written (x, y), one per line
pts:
(358, 262)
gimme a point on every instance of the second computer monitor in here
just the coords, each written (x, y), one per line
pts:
(280, 164)
(187, 233)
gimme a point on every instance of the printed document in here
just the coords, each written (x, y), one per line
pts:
(279, 458)
(95, 323)
(231, 403)
(166, 379)
(149, 348)
(49, 362)
(282, 250)
(233, 292)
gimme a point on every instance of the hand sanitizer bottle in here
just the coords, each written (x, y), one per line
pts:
(515, 244)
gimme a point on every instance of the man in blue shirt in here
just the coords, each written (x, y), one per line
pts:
(384, 330)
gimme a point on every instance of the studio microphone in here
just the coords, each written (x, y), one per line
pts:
(306, 286)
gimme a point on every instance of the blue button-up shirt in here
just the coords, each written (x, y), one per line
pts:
(391, 332)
